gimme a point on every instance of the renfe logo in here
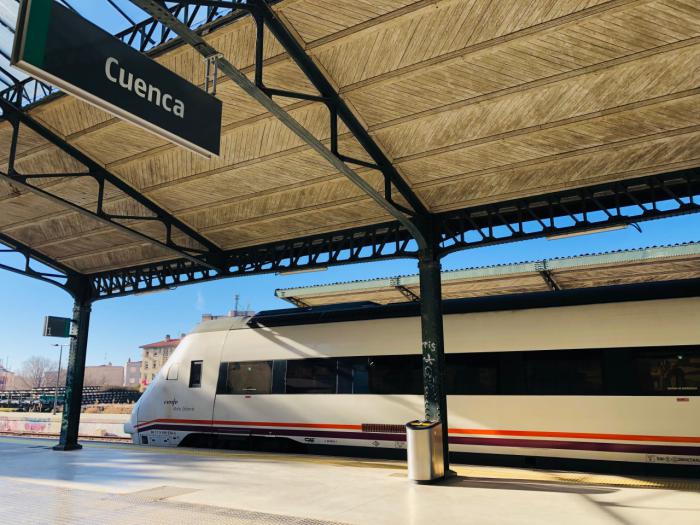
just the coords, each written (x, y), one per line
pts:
(139, 86)
(171, 402)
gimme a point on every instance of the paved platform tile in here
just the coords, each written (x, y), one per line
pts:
(62, 506)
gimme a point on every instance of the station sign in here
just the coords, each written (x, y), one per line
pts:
(57, 326)
(58, 46)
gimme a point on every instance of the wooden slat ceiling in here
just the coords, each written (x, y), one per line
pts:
(635, 267)
(474, 101)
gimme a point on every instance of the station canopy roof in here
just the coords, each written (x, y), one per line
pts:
(644, 265)
(474, 102)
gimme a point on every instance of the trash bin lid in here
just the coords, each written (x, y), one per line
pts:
(421, 425)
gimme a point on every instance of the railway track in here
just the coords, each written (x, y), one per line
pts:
(110, 439)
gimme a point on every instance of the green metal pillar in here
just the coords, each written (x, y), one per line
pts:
(433, 342)
(75, 374)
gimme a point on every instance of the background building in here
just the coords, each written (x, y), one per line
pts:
(104, 375)
(5, 378)
(132, 373)
(11, 381)
(98, 375)
(154, 356)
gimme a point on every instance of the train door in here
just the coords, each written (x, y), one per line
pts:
(243, 402)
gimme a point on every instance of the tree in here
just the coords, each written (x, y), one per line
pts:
(35, 370)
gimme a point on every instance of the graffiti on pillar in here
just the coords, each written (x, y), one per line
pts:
(432, 410)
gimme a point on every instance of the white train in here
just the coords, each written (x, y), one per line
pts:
(582, 376)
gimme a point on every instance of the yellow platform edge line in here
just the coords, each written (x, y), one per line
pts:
(494, 473)
(573, 478)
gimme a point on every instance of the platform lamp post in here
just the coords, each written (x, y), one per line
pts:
(58, 375)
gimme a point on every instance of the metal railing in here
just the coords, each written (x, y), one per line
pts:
(41, 399)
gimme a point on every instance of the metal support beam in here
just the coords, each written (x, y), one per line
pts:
(577, 210)
(152, 37)
(297, 302)
(549, 280)
(547, 276)
(162, 14)
(75, 371)
(408, 294)
(433, 341)
(58, 274)
(339, 109)
(148, 36)
(631, 201)
(265, 17)
(200, 251)
(382, 241)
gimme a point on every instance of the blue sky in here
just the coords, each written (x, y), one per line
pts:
(100, 12)
(120, 326)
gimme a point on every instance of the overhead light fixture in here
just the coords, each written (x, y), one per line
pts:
(587, 232)
(303, 270)
(157, 290)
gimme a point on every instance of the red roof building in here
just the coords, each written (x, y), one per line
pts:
(154, 356)
(165, 343)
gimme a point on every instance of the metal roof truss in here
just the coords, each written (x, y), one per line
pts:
(572, 211)
(199, 249)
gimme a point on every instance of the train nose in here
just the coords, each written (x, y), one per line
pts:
(130, 425)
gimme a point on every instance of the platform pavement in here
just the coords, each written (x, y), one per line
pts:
(125, 484)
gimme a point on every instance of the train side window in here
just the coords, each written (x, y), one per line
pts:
(475, 374)
(360, 376)
(279, 371)
(222, 381)
(396, 374)
(172, 372)
(312, 376)
(618, 373)
(353, 375)
(564, 372)
(195, 374)
(511, 372)
(252, 377)
(345, 375)
(672, 371)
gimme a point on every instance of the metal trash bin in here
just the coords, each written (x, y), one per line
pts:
(424, 447)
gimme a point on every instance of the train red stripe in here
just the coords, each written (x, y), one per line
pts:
(470, 431)
(457, 440)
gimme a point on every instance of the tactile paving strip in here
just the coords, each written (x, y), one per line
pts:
(28, 503)
(577, 478)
